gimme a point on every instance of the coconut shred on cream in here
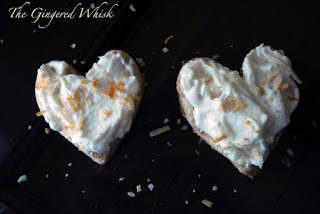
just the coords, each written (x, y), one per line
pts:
(242, 114)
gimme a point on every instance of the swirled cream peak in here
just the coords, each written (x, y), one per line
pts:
(242, 114)
(93, 111)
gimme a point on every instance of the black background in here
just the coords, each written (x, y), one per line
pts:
(200, 28)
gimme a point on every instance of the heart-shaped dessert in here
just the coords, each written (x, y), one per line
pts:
(240, 117)
(93, 112)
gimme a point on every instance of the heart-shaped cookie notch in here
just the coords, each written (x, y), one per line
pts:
(241, 117)
(93, 112)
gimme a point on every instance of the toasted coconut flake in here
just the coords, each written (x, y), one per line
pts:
(257, 131)
(293, 99)
(125, 73)
(246, 139)
(40, 113)
(222, 108)
(167, 39)
(105, 73)
(256, 153)
(266, 61)
(108, 113)
(208, 64)
(122, 102)
(159, 131)
(132, 8)
(268, 79)
(47, 130)
(112, 90)
(271, 99)
(207, 203)
(283, 87)
(84, 82)
(89, 102)
(120, 86)
(121, 179)
(130, 102)
(245, 105)
(82, 122)
(277, 82)
(138, 188)
(67, 116)
(250, 124)
(218, 139)
(95, 82)
(71, 103)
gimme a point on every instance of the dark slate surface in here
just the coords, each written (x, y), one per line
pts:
(200, 28)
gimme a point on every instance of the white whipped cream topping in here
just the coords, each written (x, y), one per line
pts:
(242, 115)
(92, 111)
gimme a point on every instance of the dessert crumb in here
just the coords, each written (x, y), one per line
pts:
(139, 188)
(82, 62)
(70, 164)
(47, 130)
(132, 8)
(194, 190)
(215, 56)
(141, 63)
(214, 188)
(197, 152)
(22, 178)
(178, 121)
(290, 152)
(92, 5)
(207, 203)
(148, 180)
(159, 131)
(66, 175)
(151, 186)
(166, 120)
(121, 179)
(131, 194)
(314, 123)
(184, 127)
(29, 127)
(165, 50)
(169, 144)
(73, 46)
(187, 202)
